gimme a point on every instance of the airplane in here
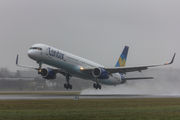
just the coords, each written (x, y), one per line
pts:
(71, 65)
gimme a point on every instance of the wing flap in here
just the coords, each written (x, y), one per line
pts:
(125, 69)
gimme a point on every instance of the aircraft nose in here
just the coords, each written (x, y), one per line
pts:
(31, 54)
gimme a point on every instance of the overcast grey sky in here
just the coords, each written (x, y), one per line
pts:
(97, 30)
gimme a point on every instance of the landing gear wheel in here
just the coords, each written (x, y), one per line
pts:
(67, 86)
(97, 86)
(94, 85)
(70, 86)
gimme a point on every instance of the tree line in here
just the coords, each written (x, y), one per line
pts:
(6, 73)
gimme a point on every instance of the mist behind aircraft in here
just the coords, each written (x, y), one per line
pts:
(166, 81)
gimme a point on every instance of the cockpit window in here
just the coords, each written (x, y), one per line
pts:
(39, 48)
(35, 48)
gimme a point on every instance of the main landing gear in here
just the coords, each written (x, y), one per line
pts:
(97, 86)
(67, 85)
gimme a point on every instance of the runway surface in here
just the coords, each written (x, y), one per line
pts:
(76, 97)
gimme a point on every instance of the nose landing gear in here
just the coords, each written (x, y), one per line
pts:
(40, 66)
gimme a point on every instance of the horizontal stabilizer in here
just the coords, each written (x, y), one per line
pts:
(138, 78)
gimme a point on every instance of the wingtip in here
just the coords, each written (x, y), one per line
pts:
(171, 60)
(17, 59)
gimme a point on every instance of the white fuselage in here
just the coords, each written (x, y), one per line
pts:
(69, 63)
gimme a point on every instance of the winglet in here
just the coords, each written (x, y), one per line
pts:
(17, 59)
(171, 60)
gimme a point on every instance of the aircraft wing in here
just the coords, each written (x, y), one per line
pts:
(124, 70)
(56, 70)
(25, 65)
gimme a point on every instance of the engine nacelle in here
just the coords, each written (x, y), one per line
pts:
(100, 73)
(47, 73)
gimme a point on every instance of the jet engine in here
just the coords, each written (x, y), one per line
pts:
(100, 73)
(47, 73)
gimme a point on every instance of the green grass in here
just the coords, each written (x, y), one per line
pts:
(39, 92)
(95, 109)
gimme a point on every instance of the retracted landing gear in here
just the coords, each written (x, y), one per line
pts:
(96, 86)
(67, 85)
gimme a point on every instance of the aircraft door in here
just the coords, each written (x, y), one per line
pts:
(64, 57)
(47, 53)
